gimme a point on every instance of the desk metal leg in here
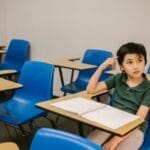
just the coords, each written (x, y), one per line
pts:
(80, 129)
(61, 76)
(72, 75)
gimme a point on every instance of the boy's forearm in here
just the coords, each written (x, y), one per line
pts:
(92, 86)
(94, 80)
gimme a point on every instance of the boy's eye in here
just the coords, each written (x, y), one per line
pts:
(129, 62)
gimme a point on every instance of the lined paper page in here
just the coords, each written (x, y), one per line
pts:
(79, 105)
(110, 117)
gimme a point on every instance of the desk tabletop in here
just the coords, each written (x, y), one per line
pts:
(8, 85)
(2, 51)
(7, 72)
(8, 146)
(2, 47)
(67, 63)
(119, 131)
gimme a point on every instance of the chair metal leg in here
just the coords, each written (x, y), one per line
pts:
(51, 122)
(32, 126)
(8, 130)
(64, 94)
(17, 134)
(23, 134)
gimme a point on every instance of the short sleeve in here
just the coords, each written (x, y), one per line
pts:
(146, 98)
(110, 82)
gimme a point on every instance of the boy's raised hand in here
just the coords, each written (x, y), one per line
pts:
(109, 62)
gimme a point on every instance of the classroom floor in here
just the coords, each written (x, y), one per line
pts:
(24, 142)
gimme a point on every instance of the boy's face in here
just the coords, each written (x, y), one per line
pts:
(133, 65)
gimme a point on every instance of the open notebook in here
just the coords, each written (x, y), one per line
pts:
(98, 112)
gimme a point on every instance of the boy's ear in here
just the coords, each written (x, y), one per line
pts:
(121, 68)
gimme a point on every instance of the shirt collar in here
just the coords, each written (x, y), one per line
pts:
(141, 87)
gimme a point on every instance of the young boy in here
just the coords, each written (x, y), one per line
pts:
(132, 90)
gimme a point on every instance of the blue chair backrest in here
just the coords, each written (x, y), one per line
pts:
(37, 80)
(17, 53)
(56, 140)
(146, 143)
(93, 57)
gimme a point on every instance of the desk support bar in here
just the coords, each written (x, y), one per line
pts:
(61, 76)
(72, 75)
(80, 127)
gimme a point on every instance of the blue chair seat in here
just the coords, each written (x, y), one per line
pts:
(13, 112)
(74, 87)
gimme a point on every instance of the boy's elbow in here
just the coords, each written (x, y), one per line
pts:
(90, 91)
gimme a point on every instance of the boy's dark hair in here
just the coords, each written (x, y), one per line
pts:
(131, 48)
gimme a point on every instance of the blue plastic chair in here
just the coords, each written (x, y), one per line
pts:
(37, 80)
(53, 139)
(93, 57)
(17, 54)
(146, 143)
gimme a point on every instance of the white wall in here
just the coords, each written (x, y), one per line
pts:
(61, 28)
(2, 22)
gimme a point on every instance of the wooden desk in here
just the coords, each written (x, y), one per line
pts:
(70, 64)
(7, 72)
(8, 146)
(8, 85)
(2, 47)
(119, 131)
(2, 51)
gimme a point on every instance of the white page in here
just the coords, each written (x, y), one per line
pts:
(110, 117)
(78, 105)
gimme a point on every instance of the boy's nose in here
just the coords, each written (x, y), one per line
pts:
(135, 65)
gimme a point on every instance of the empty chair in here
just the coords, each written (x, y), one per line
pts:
(17, 54)
(93, 57)
(53, 139)
(37, 80)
